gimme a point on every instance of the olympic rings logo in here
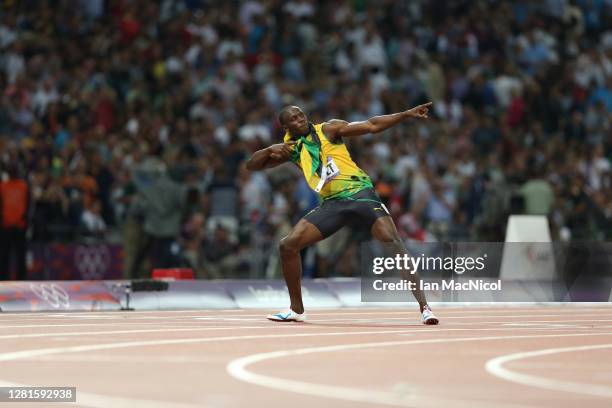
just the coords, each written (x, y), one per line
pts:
(52, 293)
(92, 261)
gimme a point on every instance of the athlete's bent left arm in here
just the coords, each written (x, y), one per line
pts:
(336, 129)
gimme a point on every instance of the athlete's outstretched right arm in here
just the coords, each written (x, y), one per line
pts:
(337, 129)
(269, 157)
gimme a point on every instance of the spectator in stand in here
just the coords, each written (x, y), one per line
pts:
(14, 223)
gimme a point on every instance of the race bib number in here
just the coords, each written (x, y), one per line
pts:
(332, 170)
(328, 173)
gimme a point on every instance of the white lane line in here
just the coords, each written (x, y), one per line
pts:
(238, 369)
(442, 317)
(551, 325)
(530, 326)
(180, 329)
(87, 399)
(129, 359)
(563, 321)
(227, 319)
(120, 312)
(19, 355)
(246, 313)
(395, 323)
(259, 317)
(24, 354)
(93, 358)
(126, 324)
(441, 312)
(405, 332)
(496, 367)
(243, 318)
(314, 322)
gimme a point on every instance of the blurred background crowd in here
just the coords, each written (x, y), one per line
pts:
(129, 121)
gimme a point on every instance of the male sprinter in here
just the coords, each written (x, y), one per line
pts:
(346, 190)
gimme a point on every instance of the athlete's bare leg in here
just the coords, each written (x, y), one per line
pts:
(384, 230)
(302, 235)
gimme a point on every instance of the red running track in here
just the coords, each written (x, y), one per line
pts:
(478, 357)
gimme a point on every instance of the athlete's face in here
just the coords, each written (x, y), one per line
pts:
(296, 121)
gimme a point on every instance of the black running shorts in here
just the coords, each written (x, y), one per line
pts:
(360, 210)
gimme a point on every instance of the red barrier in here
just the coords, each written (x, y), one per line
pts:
(172, 274)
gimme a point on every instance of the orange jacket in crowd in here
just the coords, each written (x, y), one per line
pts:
(14, 197)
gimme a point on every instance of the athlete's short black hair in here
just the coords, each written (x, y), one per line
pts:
(285, 110)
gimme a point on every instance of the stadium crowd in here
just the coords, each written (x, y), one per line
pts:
(131, 120)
